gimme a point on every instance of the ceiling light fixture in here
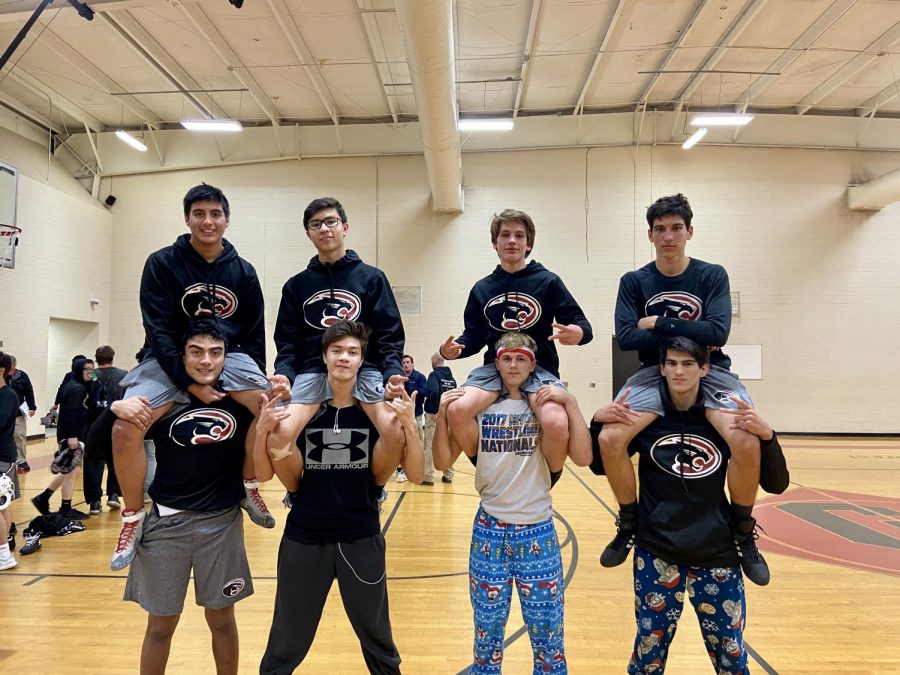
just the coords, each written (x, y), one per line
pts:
(695, 138)
(212, 125)
(485, 125)
(721, 120)
(131, 140)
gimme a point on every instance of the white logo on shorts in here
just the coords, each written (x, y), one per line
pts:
(233, 587)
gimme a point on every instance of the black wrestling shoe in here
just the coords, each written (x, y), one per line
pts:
(616, 552)
(752, 563)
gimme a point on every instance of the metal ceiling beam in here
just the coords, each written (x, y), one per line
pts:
(54, 99)
(645, 96)
(533, 25)
(849, 69)
(30, 114)
(617, 13)
(135, 36)
(16, 11)
(376, 49)
(714, 55)
(106, 83)
(818, 28)
(298, 45)
(212, 35)
(885, 96)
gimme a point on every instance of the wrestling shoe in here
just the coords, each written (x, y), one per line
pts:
(401, 476)
(129, 536)
(616, 552)
(32, 542)
(73, 514)
(41, 503)
(752, 563)
(255, 507)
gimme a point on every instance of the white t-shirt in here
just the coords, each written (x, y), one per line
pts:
(511, 475)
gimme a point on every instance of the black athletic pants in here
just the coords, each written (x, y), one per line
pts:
(305, 575)
(92, 477)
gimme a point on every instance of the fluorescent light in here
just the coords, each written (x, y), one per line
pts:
(211, 125)
(695, 138)
(485, 125)
(131, 140)
(721, 120)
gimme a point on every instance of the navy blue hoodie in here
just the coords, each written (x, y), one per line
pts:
(324, 293)
(439, 380)
(178, 285)
(696, 304)
(529, 301)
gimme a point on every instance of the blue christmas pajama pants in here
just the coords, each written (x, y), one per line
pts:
(717, 595)
(504, 555)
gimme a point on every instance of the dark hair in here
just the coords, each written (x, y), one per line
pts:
(204, 328)
(407, 356)
(341, 329)
(686, 345)
(76, 357)
(511, 215)
(673, 205)
(6, 364)
(205, 193)
(104, 355)
(317, 205)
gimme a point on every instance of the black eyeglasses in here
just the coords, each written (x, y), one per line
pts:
(331, 222)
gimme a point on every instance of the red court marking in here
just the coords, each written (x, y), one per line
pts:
(791, 535)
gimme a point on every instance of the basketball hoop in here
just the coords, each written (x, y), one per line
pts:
(9, 239)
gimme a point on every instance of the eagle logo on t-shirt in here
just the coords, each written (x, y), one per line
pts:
(512, 311)
(675, 305)
(196, 301)
(686, 455)
(202, 426)
(325, 308)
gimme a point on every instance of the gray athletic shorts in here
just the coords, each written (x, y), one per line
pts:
(210, 543)
(9, 468)
(314, 388)
(716, 389)
(488, 378)
(149, 379)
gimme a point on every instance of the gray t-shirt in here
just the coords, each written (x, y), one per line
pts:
(511, 475)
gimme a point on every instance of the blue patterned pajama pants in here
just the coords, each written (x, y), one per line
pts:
(504, 555)
(717, 595)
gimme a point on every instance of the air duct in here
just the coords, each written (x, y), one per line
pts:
(876, 194)
(427, 30)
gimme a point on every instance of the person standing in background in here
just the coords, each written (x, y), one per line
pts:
(439, 380)
(20, 383)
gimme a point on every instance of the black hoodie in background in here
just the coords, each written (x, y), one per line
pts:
(74, 403)
(178, 285)
(324, 293)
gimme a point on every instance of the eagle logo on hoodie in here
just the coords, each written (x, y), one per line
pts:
(196, 301)
(325, 308)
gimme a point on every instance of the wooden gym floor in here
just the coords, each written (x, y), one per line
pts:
(832, 542)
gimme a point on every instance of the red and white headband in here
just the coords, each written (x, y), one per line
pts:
(525, 351)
